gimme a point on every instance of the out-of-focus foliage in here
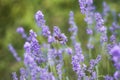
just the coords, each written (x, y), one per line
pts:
(14, 13)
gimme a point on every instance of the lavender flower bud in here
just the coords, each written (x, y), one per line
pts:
(117, 75)
(71, 19)
(39, 17)
(112, 38)
(45, 31)
(108, 78)
(23, 74)
(69, 51)
(14, 53)
(64, 39)
(89, 31)
(51, 39)
(59, 70)
(27, 47)
(20, 30)
(56, 31)
(115, 51)
(14, 76)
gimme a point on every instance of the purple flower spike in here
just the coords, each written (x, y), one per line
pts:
(29, 61)
(32, 34)
(59, 70)
(39, 17)
(90, 46)
(56, 31)
(20, 30)
(64, 39)
(106, 9)
(82, 4)
(117, 75)
(27, 47)
(45, 31)
(89, 31)
(23, 73)
(100, 23)
(112, 38)
(108, 78)
(115, 51)
(14, 76)
(51, 39)
(14, 53)
(69, 51)
(71, 19)
(115, 54)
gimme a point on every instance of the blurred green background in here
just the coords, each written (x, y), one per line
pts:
(15, 13)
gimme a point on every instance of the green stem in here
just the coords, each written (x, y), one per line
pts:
(97, 71)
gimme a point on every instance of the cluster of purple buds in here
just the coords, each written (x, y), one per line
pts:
(93, 63)
(115, 54)
(100, 23)
(85, 5)
(106, 9)
(73, 29)
(114, 27)
(14, 76)
(107, 77)
(40, 19)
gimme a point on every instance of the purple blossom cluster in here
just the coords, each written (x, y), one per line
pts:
(46, 61)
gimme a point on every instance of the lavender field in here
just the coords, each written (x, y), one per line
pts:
(85, 46)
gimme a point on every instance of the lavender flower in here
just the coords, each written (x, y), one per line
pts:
(82, 4)
(94, 76)
(21, 31)
(85, 5)
(103, 38)
(89, 31)
(27, 47)
(45, 31)
(77, 48)
(107, 77)
(56, 31)
(14, 76)
(71, 19)
(69, 50)
(77, 59)
(34, 42)
(39, 17)
(14, 53)
(113, 38)
(73, 29)
(117, 75)
(115, 53)
(51, 39)
(90, 46)
(106, 9)
(93, 63)
(45, 75)
(114, 27)
(99, 23)
(23, 74)
(59, 70)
